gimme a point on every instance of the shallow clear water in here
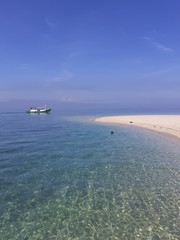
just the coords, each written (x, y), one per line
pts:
(68, 178)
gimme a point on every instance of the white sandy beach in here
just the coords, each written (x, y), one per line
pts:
(169, 124)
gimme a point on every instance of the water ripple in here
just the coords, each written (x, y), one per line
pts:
(76, 181)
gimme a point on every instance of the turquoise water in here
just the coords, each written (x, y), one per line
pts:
(69, 178)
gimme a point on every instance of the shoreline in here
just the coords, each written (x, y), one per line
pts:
(169, 124)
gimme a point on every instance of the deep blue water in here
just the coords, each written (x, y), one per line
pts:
(64, 177)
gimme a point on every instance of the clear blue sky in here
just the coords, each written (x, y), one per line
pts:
(71, 52)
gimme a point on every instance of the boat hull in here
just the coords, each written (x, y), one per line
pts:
(38, 110)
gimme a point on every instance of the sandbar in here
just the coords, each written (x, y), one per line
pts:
(169, 124)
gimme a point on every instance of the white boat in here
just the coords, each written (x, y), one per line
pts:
(38, 110)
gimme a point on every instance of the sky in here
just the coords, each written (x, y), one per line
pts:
(93, 53)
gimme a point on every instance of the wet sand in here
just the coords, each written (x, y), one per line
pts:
(169, 124)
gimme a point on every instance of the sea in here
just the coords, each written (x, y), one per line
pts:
(67, 177)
